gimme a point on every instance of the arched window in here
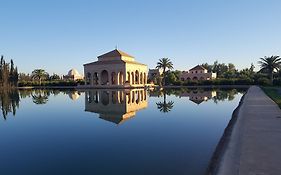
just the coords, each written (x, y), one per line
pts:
(121, 78)
(104, 77)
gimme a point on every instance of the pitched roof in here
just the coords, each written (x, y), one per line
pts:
(115, 53)
(198, 67)
(196, 101)
(114, 62)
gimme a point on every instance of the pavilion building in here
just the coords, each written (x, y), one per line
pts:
(115, 69)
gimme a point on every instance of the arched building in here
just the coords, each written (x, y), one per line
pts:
(115, 69)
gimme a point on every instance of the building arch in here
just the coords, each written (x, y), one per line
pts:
(195, 78)
(121, 97)
(114, 97)
(88, 78)
(96, 97)
(137, 97)
(133, 96)
(141, 78)
(144, 78)
(120, 77)
(96, 78)
(113, 78)
(128, 97)
(128, 77)
(105, 98)
(202, 78)
(137, 78)
(133, 78)
(104, 77)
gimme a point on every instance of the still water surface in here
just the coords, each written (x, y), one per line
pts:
(136, 132)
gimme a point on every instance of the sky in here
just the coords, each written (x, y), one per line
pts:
(57, 35)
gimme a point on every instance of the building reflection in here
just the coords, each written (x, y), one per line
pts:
(115, 105)
(74, 95)
(199, 96)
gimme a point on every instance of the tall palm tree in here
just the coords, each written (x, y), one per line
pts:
(270, 64)
(165, 106)
(165, 64)
(39, 74)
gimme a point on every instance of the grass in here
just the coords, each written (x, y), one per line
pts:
(274, 93)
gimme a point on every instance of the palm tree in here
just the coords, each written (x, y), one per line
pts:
(270, 64)
(165, 106)
(39, 74)
(165, 64)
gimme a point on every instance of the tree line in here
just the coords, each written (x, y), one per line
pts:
(227, 74)
(40, 77)
(8, 74)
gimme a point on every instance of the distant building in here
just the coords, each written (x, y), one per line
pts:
(197, 73)
(154, 73)
(115, 69)
(73, 74)
(74, 95)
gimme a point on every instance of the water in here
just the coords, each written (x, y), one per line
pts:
(112, 132)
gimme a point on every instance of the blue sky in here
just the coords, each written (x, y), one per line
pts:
(58, 35)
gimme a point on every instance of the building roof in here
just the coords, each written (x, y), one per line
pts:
(197, 101)
(198, 67)
(114, 62)
(115, 53)
(73, 72)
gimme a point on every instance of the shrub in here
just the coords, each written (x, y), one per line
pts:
(190, 83)
(277, 82)
(246, 81)
(264, 81)
(49, 83)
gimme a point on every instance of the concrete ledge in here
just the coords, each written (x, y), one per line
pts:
(224, 141)
(252, 146)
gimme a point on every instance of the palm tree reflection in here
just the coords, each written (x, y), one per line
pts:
(40, 97)
(165, 106)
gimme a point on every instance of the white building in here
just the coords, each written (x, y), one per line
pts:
(73, 74)
(197, 73)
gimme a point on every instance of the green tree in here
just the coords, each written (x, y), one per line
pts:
(220, 68)
(207, 66)
(39, 74)
(55, 77)
(165, 64)
(247, 72)
(270, 65)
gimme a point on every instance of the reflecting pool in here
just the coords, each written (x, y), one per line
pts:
(171, 131)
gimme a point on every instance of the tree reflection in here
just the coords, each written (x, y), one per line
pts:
(165, 106)
(9, 100)
(223, 95)
(40, 97)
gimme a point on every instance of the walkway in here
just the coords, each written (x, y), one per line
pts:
(255, 143)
